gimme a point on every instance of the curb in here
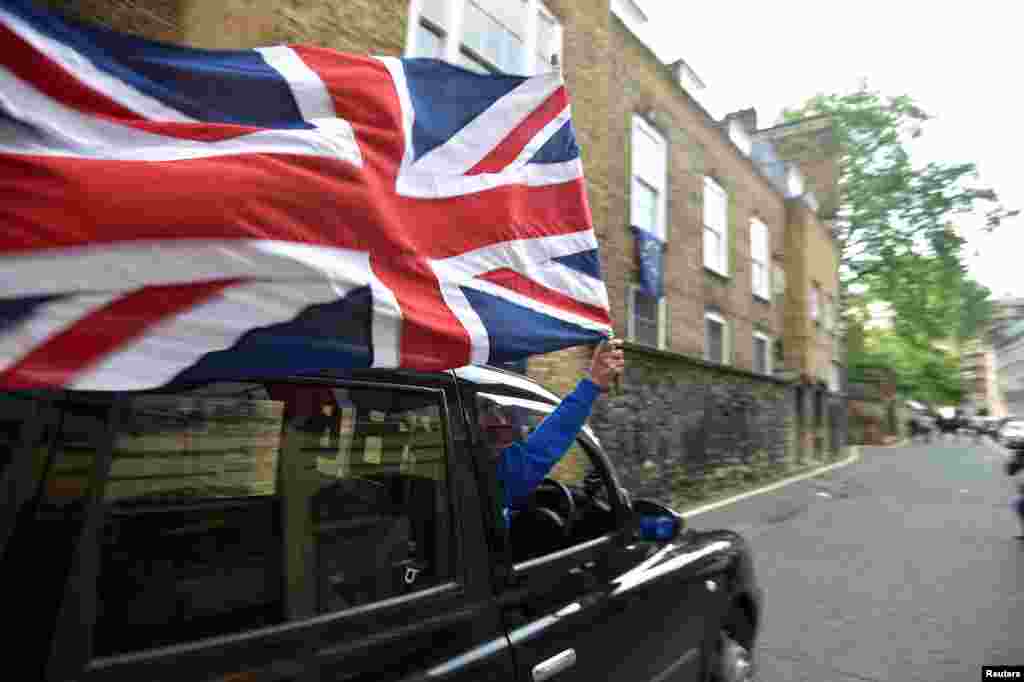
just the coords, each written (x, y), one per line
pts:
(854, 456)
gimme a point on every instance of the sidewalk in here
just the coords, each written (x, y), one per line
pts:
(851, 455)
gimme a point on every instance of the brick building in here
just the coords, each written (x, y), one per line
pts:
(749, 263)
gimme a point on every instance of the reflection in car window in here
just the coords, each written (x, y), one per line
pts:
(576, 469)
(238, 506)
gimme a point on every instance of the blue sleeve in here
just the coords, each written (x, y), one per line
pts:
(524, 465)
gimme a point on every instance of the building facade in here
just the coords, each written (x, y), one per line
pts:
(749, 264)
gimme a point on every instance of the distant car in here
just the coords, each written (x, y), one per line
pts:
(1012, 434)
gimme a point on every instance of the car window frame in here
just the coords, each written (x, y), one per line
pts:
(553, 563)
(74, 626)
(19, 483)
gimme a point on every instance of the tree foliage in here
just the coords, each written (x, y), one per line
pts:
(890, 207)
(899, 246)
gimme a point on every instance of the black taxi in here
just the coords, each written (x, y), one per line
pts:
(343, 527)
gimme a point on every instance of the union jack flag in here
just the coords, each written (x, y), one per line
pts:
(176, 214)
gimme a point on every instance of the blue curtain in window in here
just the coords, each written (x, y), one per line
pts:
(649, 251)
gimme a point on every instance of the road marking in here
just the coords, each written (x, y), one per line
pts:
(854, 456)
(822, 493)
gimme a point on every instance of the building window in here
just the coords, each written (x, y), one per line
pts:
(716, 241)
(647, 191)
(794, 182)
(815, 304)
(762, 353)
(487, 36)
(829, 314)
(759, 272)
(716, 339)
(646, 318)
(835, 382)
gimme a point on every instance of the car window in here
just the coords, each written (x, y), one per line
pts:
(590, 515)
(238, 506)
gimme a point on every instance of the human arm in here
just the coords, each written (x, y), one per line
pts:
(522, 466)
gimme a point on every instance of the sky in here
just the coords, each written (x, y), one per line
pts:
(960, 62)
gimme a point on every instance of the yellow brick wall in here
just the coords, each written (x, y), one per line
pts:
(641, 84)
(812, 258)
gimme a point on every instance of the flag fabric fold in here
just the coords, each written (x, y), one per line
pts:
(176, 214)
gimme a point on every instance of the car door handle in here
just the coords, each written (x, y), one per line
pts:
(545, 670)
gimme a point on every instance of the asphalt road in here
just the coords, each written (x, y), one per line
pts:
(902, 566)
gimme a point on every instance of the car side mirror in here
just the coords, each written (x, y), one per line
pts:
(657, 522)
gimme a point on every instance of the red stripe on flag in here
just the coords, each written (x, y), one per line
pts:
(52, 202)
(513, 281)
(509, 148)
(432, 338)
(58, 360)
(53, 80)
(363, 94)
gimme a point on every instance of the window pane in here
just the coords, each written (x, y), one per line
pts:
(760, 280)
(758, 241)
(714, 340)
(645, 318)
(470, 62)
(492, 40)
(506, 421)
(648, 156)
(15, 411)
(760, 355)
(645, 208)
(510, 14)
(714, 206)
(429, 43)
(713, 249)
(547, 38)
(436, 11)
(240, 506)
(42, 549)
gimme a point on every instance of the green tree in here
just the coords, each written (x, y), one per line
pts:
(899, 246)
(890, 207)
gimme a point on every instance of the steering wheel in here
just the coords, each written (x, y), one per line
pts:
(567, 505)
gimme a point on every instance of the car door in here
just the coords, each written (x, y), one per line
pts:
(295, 530)
(604, 606)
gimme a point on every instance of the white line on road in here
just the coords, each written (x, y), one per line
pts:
(854, 456)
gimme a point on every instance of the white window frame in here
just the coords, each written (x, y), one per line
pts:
(726, 340)
(655, 177)
(762, 288)
(716, 262)
(768, 351)
(834, 379)
(632, 291)
(815, 300)
(452, 35)
(739, 137)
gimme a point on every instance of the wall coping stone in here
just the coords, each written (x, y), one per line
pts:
(689, 359)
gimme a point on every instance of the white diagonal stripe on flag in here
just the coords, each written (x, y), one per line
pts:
(46, 321)
(309, 91)
(82, 68)
(485, 132)
(533, 258)
(133, 265)
(542, 137)
(178, 342)
(58, 130)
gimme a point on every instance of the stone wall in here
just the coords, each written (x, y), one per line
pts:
(678, 427)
